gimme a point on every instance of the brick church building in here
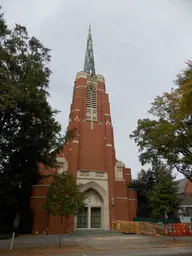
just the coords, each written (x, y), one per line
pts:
(91, 158)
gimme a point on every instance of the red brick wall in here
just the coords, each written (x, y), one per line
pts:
(55, 225)
(127, 175)
(132, 203)
(92, 157)
(40, 219)
(121, 209)
(188, 189)
(94, 150)
(120, 189)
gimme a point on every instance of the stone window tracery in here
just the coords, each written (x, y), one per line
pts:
(91, 103)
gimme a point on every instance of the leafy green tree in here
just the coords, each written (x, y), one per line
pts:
(167, 135)
(164, 198)
(64, 198)
(28, 128)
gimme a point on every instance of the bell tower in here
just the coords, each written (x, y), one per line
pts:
(91, 155)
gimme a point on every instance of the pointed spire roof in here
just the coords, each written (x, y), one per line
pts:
(89, 65)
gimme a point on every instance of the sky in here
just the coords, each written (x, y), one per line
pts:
(139, 47)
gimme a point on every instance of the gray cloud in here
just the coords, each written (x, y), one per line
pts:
(139, 47)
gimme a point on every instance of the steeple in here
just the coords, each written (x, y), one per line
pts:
(89, 65)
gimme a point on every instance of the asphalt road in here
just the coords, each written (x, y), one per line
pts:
(156, 252)
(97, 246)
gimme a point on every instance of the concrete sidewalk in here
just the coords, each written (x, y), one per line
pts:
(48, 244)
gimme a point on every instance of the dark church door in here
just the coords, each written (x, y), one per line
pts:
(95, 217)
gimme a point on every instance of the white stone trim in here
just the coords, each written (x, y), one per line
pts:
(92, 175)
(92, 78)
(108, 123)
(81, 75)
(75, 141)
(94, 186)
(76, 109)
(125, 198)
(43, 185)
(80, 86)
(100, 78)
(120, 180)
(106, 114)
(109, 145)
(38, 197)
(76, 119)
(102, 90)
(101, 187)
(78, 97)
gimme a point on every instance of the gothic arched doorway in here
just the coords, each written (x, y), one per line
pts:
(92, 216)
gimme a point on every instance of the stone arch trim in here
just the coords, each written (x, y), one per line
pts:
(95, 186)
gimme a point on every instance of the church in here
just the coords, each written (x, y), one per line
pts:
(91, 158)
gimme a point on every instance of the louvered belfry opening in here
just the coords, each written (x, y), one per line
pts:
(91, 103)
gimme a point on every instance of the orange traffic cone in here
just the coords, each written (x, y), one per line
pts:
(154, 232)
(190, 230)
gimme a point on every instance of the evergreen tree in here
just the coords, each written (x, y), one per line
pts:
(164, 198)
(64, 198)
(143, 185)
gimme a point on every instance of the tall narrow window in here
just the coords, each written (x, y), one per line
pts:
(91, 103)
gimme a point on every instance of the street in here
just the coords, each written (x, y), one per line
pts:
(133, 245)
(157, 252)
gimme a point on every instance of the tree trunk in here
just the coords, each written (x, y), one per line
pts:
(173, 232)
(172, 229)
(60, 231)
(66, 220)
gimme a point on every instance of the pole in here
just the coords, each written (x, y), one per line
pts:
(12, 239)
(61, 224)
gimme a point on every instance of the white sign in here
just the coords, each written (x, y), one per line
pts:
(185, 219)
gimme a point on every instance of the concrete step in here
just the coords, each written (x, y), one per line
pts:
(94, 232)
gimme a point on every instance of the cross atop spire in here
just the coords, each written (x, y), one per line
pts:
(89, 65)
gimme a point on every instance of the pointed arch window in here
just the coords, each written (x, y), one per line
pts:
(91, 103)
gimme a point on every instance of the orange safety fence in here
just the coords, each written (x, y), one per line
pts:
(178, 229)
(147, 228)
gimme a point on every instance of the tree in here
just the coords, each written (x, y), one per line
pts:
(168, 136)
(164, 198)
(28, 128)
(64, 198)
(143, 184)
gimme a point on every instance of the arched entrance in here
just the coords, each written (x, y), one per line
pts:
(92, 217)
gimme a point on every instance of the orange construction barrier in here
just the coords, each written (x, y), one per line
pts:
(190, 230)
(177, 229)
(154, 231)
(170, 230)
(180, 228)
(184, 230)
(165, 231)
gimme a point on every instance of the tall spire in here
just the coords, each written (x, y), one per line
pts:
(89, 65)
